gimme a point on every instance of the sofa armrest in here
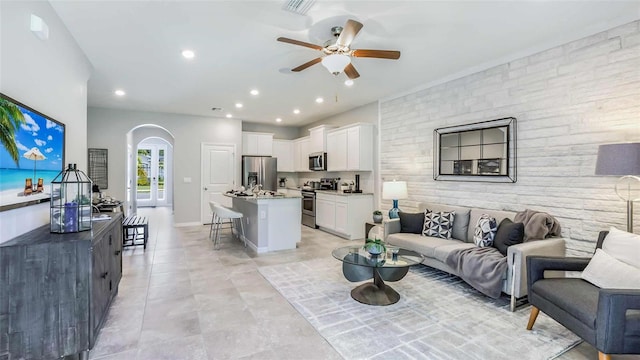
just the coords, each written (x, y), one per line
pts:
(516, 261)
(613, 319)
(391, 226)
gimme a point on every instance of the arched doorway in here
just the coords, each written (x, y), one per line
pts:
(149, 167)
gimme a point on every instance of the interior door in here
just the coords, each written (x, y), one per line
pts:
(218, 176)
(150, 184)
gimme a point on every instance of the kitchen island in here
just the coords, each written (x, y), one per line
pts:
(271, 223)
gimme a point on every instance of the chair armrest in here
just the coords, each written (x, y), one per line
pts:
(537, 265)
(391, 226)
(612, 318)
(516, 261)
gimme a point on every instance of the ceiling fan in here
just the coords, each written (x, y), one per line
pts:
(337, 52)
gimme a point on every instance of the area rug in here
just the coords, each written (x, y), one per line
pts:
(438, 317)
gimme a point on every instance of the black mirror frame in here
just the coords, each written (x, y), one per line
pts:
(510, 177)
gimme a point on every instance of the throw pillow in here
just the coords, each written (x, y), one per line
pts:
(623, 246)
(411, 222)
(605, 271)
(485, 231)
(438, 224)
(509, 233)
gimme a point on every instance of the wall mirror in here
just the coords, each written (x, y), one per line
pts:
(483, 151)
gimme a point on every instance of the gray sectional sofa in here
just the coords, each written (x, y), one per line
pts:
(436, 250)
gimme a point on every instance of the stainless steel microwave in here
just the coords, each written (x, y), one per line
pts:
(318, 161)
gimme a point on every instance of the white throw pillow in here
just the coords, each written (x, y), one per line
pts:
(606, 272)
(623, 246)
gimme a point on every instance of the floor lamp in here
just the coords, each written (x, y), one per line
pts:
(622, 160)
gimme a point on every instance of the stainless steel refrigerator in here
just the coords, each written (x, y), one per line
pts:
(260, 170)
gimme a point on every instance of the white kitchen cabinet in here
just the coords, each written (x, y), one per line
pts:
(301, 153)
(283, 151)
(318, 136)
(343, 215)
(350, 148)
(260, 144)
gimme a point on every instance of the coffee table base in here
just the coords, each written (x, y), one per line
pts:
(371, 294)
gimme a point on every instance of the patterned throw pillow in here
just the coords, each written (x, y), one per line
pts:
(438, 224)
(485, 231)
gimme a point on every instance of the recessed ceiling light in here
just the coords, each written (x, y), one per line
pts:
(120, 92)
(278, 119)
(296, 111)
(254, 92)
(188, 54)
(229, 116)
(319, 100)
(239, 105)
(348, 82)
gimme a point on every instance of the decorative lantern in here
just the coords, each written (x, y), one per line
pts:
(71, 201)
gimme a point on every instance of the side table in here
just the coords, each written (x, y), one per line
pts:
(368, 226)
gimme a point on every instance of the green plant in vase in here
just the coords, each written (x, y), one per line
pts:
(377, 216)
(374, 246)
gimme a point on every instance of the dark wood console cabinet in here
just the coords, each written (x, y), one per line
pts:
(56, 289)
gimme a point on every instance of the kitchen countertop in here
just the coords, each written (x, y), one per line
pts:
(263, 197)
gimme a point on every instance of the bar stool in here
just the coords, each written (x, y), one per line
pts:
(222, 213)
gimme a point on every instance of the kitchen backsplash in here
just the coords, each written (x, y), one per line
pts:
(298, 179)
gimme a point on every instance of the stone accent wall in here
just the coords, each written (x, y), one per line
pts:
(567, 100)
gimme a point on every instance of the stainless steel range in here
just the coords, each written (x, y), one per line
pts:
(309, 208)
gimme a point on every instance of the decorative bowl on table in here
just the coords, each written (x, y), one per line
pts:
(374, 247)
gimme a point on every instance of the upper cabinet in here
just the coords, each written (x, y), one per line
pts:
(260, 144)
(350, 148)
(318, 135)
(283, 151)
(301, 153)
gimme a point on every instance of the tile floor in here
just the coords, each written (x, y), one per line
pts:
(180, 299)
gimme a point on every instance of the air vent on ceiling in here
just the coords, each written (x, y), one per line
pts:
(216, 108)
(298, 6)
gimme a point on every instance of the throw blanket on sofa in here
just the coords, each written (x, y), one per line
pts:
(537, 225)
(482, 268)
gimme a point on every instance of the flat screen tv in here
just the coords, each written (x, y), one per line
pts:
(31, 154)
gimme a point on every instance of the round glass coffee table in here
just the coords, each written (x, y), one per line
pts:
(359, 265)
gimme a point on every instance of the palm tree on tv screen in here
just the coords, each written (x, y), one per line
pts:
(10, 120)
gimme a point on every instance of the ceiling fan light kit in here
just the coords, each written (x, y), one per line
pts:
(336, 53)
(336, 63)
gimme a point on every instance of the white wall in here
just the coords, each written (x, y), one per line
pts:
(279, 132)
(108, 128)
(568, 100)
(49, 76)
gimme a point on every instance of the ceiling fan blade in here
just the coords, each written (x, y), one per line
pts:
(301, 43)
(380, 54)
(351, 71)
(349, 32)
(307, 64)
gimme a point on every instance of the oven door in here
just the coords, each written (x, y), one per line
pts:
(309, 204)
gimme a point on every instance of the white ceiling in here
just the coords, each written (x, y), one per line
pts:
(136, 46)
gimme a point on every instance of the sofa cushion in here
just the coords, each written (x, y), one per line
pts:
(424, 245)
(411, 222)
(623, 246)
(556, 290)
(460, 220)
(438, 224)
(442, 251)
(509, 233)
(485, 231)
(607, 272)
(477, 213)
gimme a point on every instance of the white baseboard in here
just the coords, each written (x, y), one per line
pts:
(186, 224)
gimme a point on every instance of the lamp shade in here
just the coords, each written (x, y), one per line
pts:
(335, 63)
(618, 159)
(393, 190)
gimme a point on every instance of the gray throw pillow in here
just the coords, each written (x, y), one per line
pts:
(509, 233)
(411, 222)
(438, 224)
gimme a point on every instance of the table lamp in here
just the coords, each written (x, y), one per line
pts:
(622, 160)
(394, 190)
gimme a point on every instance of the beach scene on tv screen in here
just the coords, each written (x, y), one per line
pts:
(34, 157)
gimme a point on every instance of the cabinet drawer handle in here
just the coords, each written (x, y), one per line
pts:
(105, 274)
(117, 252)
(110, 240)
